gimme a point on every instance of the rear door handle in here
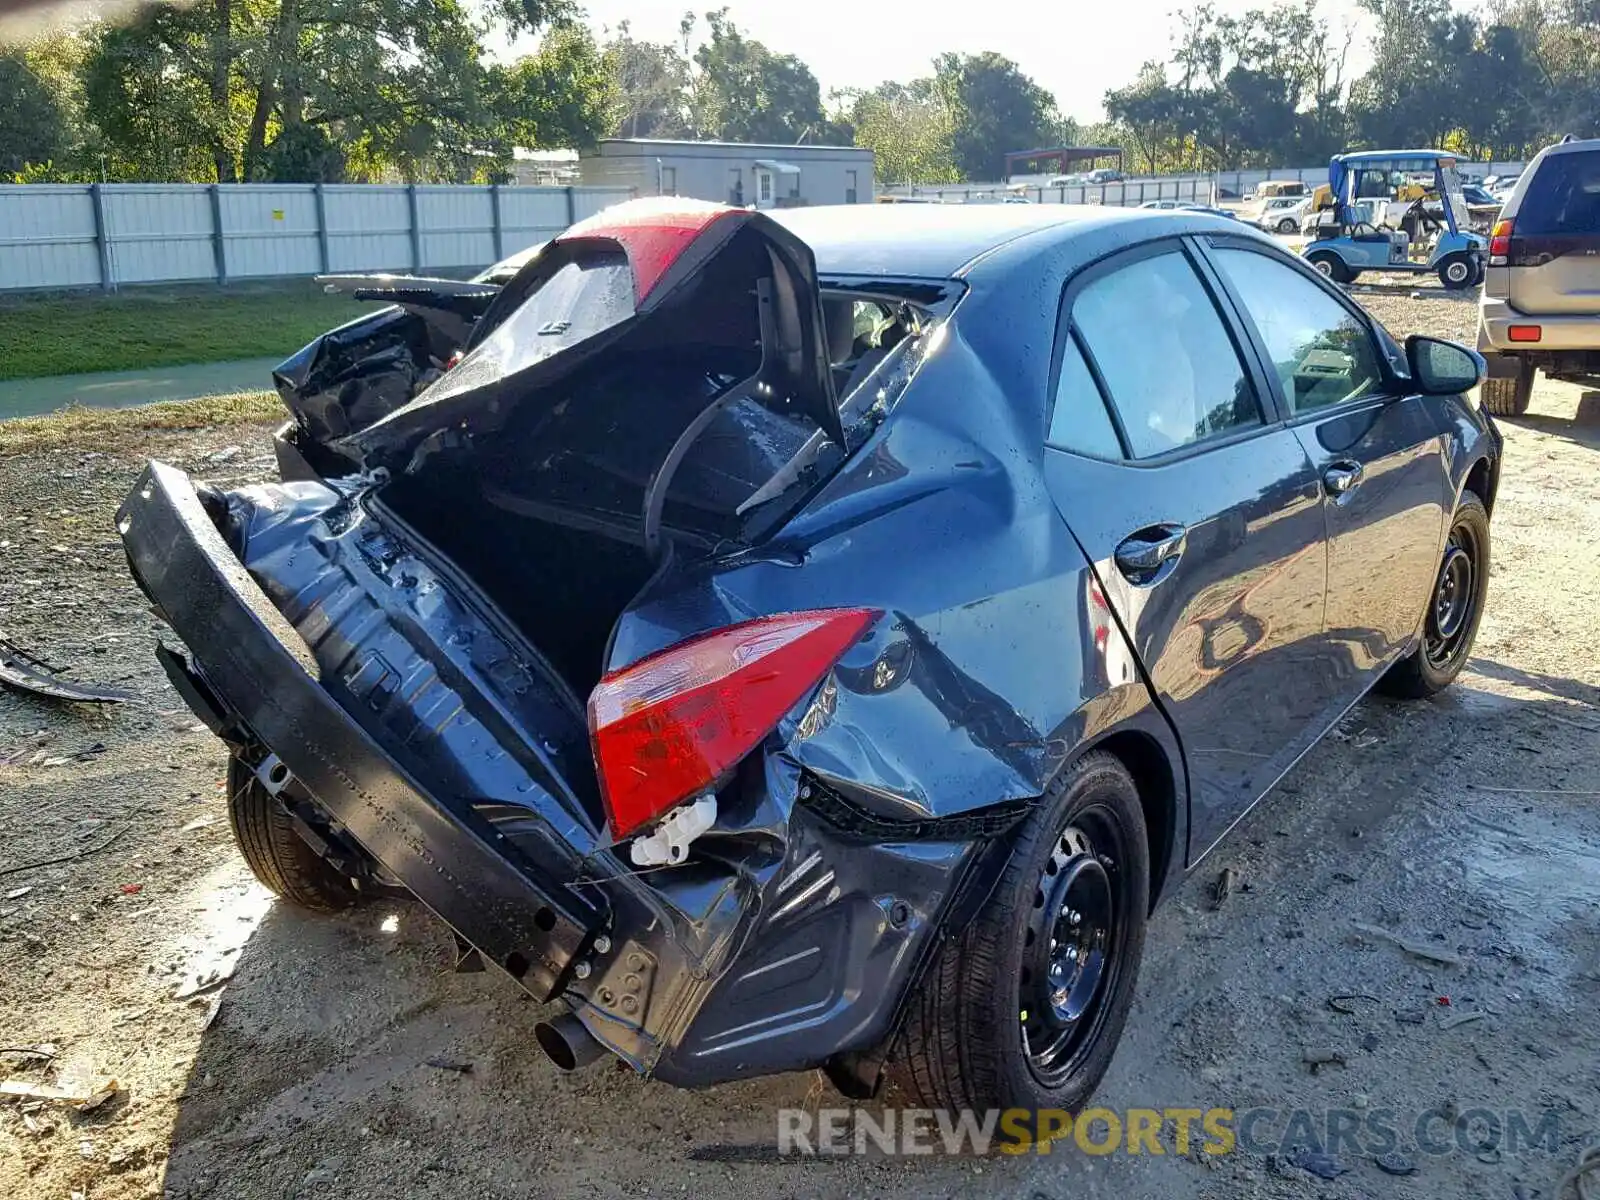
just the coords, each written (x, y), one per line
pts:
(1342, 476)
(1144, 555)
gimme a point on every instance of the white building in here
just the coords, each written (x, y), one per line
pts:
(732, 172)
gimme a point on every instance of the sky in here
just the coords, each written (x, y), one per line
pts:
(1077, 49)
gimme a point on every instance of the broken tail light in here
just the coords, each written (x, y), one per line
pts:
(1500, 244)
(669, 727)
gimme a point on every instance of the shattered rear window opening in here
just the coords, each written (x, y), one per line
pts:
(581, 438)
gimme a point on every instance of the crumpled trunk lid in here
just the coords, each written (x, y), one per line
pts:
(643, 275)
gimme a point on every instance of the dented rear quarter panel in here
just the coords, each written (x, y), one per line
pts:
(990, 669)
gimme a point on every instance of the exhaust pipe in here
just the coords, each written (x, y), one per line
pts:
(566, 1043)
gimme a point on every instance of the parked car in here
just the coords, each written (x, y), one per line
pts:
(687, 651)
(1189, 206)
(1282, 214)
(1270, 189)
(1540, 309)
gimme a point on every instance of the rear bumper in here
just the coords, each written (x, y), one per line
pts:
(792, 940)
(259, 679)
(1556, 333)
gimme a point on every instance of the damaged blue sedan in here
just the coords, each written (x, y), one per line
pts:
(819, 638)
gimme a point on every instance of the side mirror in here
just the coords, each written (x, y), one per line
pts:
(1441, 368)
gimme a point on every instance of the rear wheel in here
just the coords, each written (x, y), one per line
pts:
(279, 857)
(1025, 1008)
(1454, 608)
(1456, 271)
(1287, 225)
(1330, 264)
(1510, 397)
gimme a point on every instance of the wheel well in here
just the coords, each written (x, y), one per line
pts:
(1480, 480)
(1158, 796)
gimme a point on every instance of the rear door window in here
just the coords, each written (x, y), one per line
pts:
(1166, 356)
(1563, 197)
(1079, 421)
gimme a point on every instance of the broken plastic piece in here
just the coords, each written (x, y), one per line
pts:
(82, 1094)
(669, 844)
(22, 670)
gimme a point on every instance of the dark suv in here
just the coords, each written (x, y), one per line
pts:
(1541, 292)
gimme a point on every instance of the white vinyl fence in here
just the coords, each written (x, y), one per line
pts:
(104, 235)
(1194, 188)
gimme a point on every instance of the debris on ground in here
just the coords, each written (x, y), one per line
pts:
(442, 1063)
(83, 1094)
(1395, 1163)
(203, 981)
(1323, 1166)
(1225, 885)
(1346, 1002)
(28, 673)
(1409, 945)
(1317, 1057)
(1462, 1019)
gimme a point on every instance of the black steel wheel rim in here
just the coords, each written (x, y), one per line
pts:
(1070, 953)
(1455, 596)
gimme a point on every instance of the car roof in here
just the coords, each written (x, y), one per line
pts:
(1362, 156)
(937, 241)
(1576, 146)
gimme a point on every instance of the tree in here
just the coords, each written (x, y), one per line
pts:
(743, 92)
(33, 129)
(649, 85)
(262, 89)
(995, 108)
(909, 129)
(562, 96)
(1148, 110)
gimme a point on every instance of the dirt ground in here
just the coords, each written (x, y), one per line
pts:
(1469, 826)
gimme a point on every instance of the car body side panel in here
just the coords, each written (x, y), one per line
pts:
(1384, 535)
(1232, 636)
(953, 711)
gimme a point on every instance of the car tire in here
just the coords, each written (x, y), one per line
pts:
(1448, 631)
(977, 1029)
(278, 856)
(1331, 265)
(1456, 272)
(1509, 397)
(1287, 225)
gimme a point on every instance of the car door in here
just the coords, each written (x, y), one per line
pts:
(1201, 514)
(1379, 452)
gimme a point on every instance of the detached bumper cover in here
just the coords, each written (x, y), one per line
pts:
(258, 669)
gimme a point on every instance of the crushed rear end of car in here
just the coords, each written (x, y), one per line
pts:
(511, 636)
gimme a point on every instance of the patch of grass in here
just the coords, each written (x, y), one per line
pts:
(109, 428)
(65, 334)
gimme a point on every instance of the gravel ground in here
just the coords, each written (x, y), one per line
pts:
(1468, 825)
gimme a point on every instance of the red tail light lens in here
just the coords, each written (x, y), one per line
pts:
(1524, 333)
(668, 727)
(1500, 243)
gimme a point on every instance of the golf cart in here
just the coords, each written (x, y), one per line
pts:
(1381, 220)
